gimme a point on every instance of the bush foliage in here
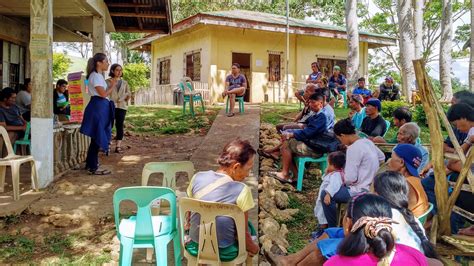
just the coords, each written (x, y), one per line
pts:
(137, 75)
(61, 64)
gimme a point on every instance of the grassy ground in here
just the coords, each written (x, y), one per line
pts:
(158, 120)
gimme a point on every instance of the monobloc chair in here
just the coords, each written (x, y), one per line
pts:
(26, 139)
(301, 163)
(240, 99)
(208, 253)
(169, 170)
(144, 230)
(15, 162)
(424, 216)
(187, 85)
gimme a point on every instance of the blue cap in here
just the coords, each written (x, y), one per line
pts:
(411, 155)
(375, 102)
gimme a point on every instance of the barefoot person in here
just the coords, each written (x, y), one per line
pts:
(99, 113)
(120, 96)
(235, 85)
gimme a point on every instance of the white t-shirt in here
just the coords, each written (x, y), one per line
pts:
(469, 134)
(96, 80)
(331, 184)
(362, 163)
(404, 234)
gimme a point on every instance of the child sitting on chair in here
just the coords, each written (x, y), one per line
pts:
(333, 180)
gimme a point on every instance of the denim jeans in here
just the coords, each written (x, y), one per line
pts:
(330, 211)
(92, 160)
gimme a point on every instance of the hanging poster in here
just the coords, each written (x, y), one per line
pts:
(76, 99)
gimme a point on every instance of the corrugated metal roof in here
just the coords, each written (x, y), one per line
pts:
(141, 15)
(280, 20)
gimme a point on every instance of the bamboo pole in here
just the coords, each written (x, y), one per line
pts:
(429, 105)
(466, 168)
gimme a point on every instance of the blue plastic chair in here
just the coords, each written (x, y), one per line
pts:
(424, 216)
(388, 127)
(26, 139)
(241, 104)
(301, 162)
(143, 230)
(197, 97)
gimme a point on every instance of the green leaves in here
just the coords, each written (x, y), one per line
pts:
(137, 75)
(61, 64)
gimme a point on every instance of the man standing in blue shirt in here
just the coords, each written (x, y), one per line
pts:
(362, 90)
(296, 143)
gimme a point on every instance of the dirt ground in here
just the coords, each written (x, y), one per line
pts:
(75, 214)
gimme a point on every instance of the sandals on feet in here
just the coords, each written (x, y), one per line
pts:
(282, 180)
(230, 114)
(119, 150)
(100, 172)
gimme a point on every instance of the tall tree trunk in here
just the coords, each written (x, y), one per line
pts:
(445, 50)
(418, 27)
(471, 62)
(407, 47)
(352, 28)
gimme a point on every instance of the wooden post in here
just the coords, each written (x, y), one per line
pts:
(41, 51)
(430, 106)
(98, 35)
(466, 168)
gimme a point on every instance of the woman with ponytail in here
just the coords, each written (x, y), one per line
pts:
(99, 113)
(369, 236)
(393, 187)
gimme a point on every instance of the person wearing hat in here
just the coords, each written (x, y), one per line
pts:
(337, 82)
(388, 90)
(406, 159)
(357, 113)
(362, 90)
(373, 125)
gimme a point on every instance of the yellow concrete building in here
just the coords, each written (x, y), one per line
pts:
(204, 46)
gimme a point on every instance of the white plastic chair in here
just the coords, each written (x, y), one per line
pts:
(209, 211)
(15, 162)
(169, 170)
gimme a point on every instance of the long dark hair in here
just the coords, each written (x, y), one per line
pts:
(92, 63)
(393, 187)
(357, 243)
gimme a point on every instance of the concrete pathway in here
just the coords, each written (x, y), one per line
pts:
(224, 129)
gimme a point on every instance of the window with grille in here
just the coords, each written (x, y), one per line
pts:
(274, 67)
(164, 71)
(193, 65)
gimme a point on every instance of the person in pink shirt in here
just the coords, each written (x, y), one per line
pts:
(369, 239)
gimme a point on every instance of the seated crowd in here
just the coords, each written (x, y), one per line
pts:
(356, 166)
(15, 107)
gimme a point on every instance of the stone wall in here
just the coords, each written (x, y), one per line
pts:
(70, 148)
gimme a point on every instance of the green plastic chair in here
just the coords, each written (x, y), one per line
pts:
(301, 162)
(197, 96)
(241, 104)
(143, 230)
(424, 216)
(344, 97)
(26, 139)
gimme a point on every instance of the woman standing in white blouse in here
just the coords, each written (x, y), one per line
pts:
(99, 113)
